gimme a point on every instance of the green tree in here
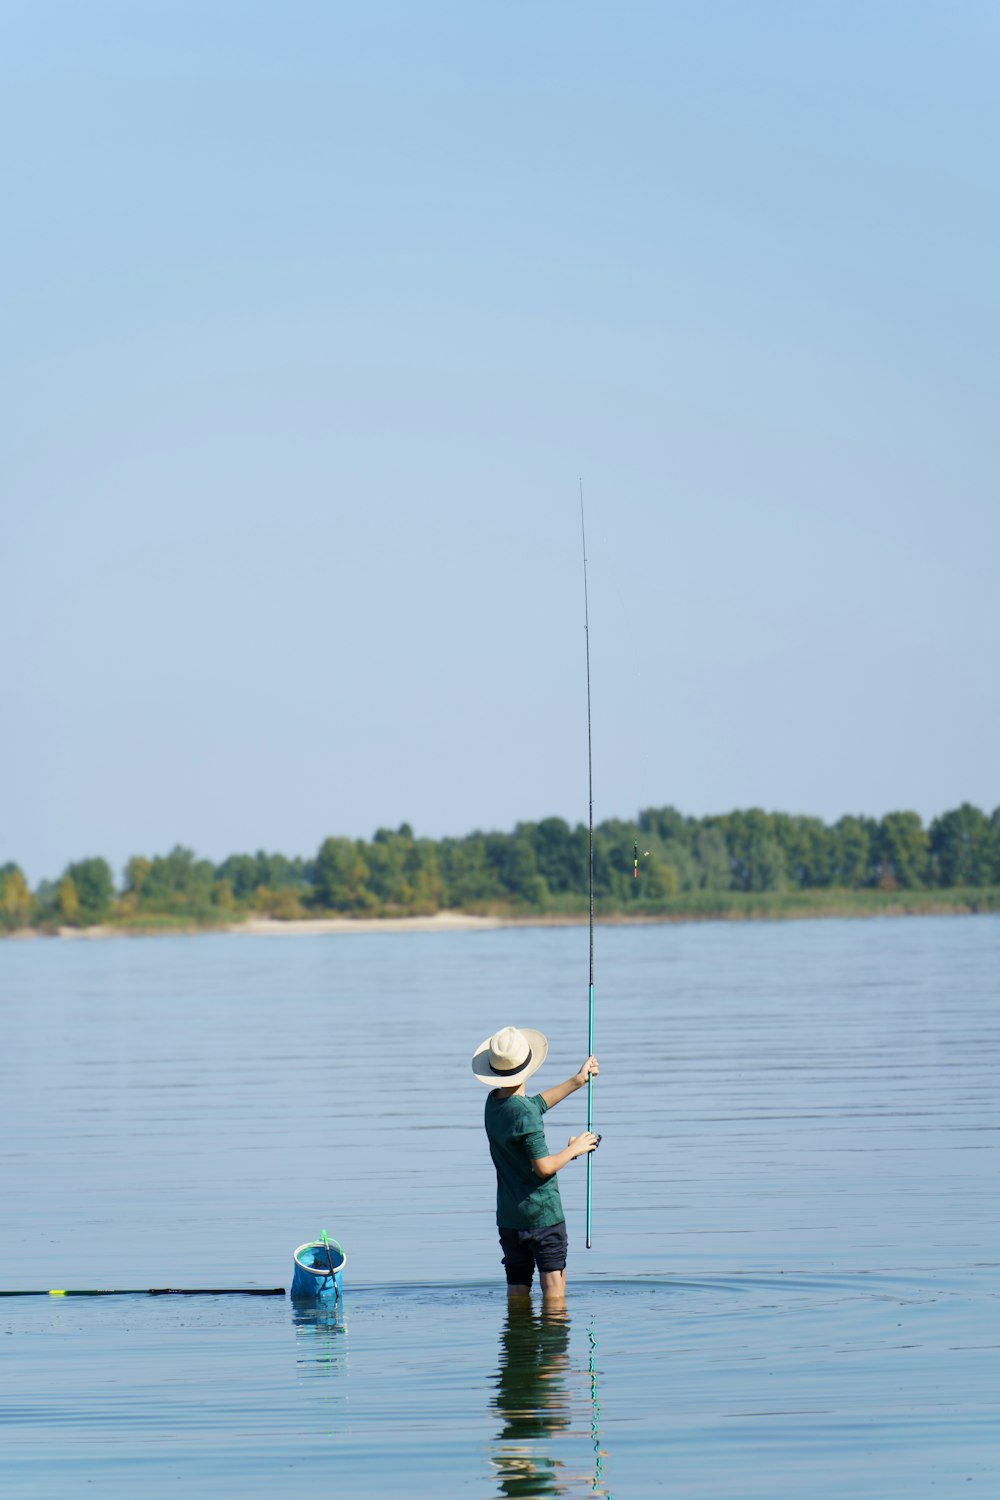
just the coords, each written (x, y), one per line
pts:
(713, 866)
(386, 860)
(243, 874)
(95, 890)
(614, 852)
(666, 824)
(669, 839)
(403, 872)
(68, 902)
(222, 895)
(423, 874)
(340, 876)
(469, 877)
(758, 861)
(675, 858)
(806, 845)
(560, 855)
(45, 904)
(136, 872)
(279, 872)
(903, 850)
(656, 881)
(853, 853)
(283, 905)
(959, 847)
(512, 856)
(15, 899)
(247, 872)
(176, 883)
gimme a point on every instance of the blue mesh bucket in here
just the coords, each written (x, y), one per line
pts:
(313, 1277)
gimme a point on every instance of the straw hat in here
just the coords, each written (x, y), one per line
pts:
(509, 1056)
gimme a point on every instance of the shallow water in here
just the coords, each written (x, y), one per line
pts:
(794, 1283)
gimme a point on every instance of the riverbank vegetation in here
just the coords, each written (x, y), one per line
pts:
(739, 864)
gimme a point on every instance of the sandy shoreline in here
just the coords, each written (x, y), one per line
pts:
(442, 921)
(456, 921)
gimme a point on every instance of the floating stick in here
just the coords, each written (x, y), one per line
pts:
(159, 1291)
(590, 792)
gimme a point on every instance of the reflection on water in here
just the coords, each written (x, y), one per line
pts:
(537, 1387)
(321, 1346)
(532, 1398)
(595, 1411)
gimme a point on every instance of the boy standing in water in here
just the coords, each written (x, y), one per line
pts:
(529, 1209)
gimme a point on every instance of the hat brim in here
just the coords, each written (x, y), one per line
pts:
(481, 1061)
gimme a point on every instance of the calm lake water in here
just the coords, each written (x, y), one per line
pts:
(794, 1288)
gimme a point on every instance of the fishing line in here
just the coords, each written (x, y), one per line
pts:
(590, 794)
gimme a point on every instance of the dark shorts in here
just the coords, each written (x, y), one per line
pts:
(524, 1249)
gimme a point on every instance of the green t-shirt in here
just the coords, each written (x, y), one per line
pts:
(514, 1127)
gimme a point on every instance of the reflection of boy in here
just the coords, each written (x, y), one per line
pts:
(529, 1209)
(532, 1398)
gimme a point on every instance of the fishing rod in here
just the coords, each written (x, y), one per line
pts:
(329, 1255)
(590, 793)
(160, 1291)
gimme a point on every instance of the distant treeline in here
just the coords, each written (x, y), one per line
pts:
(750, 863)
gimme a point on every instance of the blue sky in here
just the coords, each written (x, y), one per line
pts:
(314, 315)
